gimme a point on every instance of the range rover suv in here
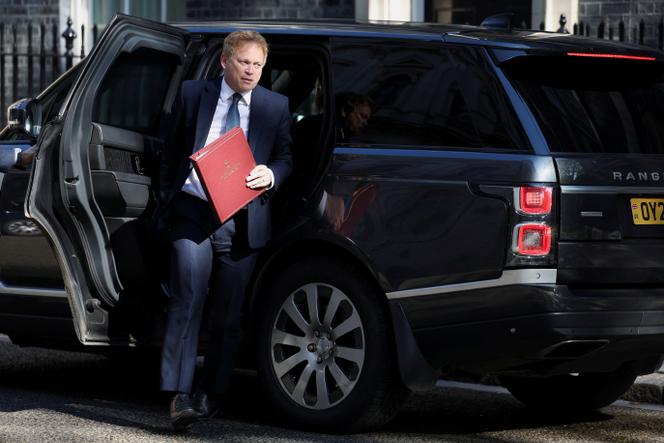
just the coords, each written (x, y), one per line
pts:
(464, 200)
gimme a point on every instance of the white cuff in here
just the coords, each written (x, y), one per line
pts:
(271, 178)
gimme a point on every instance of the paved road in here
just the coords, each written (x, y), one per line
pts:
(57, 396)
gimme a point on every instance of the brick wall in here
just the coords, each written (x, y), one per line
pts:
(284, 9)
(631, 12)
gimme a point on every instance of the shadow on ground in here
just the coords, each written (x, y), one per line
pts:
(123, 391)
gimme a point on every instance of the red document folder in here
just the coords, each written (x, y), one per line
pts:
(222, 166)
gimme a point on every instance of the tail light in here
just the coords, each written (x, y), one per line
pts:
(612, 56)
(534, 200)
(533, 239)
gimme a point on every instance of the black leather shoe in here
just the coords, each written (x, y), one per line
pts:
(204, 405)
(183, 414)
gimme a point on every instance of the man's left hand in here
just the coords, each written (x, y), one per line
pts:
(260, 177)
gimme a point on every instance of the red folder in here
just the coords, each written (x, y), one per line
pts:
(222, 166)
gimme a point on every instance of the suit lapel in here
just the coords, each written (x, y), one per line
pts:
(206, 108)
(256, 117)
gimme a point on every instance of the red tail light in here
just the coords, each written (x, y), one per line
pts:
(614, 56)
(532, 239)
(534, 200)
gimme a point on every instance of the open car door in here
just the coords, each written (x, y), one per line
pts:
(91, 179)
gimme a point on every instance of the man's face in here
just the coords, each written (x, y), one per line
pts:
(358, 118)
(243, 69)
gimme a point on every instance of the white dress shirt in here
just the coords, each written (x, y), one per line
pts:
(193, 185)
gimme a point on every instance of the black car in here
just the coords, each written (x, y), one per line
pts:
(465, 200)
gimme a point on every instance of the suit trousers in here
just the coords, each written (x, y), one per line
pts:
(206, 275)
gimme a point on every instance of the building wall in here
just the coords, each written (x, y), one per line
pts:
(548, 12)
(294, 9)
(593, 12)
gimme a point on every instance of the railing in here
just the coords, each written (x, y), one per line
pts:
(608, 31)
(30, 59)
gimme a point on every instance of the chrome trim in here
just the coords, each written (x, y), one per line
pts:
(574, 189)
(510, 277)
(592, 214)
(39, 292)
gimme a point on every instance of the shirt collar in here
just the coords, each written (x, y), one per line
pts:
(227, 92)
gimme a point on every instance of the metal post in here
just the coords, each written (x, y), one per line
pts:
(621, 30)
(95, 34)
(600, 30)
(541, 26)
(55, 68)
(69, 35)
(610, 31)
(14, 64)
(82, 42)
(2, 71)
(588, 30)
(642, 31)
(30, 63)
(562, 21)
(582, 29)
(575, 29)
(42, 56)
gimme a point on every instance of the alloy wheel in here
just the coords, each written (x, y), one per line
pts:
(317, 346)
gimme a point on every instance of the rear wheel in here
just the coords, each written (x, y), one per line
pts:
(582, 392)
(326, 356)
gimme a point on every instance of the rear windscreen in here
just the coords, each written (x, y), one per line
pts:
(594, 105)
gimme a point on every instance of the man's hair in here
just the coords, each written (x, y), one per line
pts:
(236, 38)
(349, 101)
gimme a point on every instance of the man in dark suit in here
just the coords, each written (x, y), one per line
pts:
(206, 254)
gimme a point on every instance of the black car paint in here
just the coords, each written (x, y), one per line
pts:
(439, 217)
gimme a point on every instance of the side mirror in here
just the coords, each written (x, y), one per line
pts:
(24, 115)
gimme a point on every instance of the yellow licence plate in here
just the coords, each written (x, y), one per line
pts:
(647, 211)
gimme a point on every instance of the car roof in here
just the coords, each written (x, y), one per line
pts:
(463, 34)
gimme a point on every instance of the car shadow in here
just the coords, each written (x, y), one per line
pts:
(124, 392)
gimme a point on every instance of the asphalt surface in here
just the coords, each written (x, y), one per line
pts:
(49, 396)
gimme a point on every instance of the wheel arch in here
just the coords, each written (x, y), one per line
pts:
(307, 249)
(415, 373)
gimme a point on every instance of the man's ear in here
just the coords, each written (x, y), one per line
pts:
(224, 60)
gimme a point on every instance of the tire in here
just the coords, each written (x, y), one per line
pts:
(338, 373)
(580, 393)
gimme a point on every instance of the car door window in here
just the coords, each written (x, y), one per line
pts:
(418, 94)
(133, 92)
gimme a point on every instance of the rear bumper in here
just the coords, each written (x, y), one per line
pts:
(543, 329)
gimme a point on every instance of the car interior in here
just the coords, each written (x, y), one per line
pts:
(127, 127)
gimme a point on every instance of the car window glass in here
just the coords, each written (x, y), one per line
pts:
(51, 100)
(594, 106)
(415, 94)
(133, 91)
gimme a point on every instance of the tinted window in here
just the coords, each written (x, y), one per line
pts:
(593, 105)
(133, 92)
(420, 94)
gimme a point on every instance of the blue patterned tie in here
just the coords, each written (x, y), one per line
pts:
(233, 116)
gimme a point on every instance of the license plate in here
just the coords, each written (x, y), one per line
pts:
(647, 211)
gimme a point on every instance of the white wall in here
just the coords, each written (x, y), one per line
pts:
(548, 11)
(397, 10)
